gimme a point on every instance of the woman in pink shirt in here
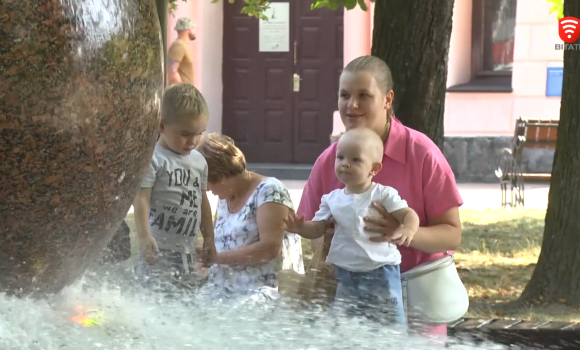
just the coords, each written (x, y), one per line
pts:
(412, 164)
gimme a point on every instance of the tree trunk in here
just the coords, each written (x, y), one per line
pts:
(162, 9)
(556, 278)
(412, 36)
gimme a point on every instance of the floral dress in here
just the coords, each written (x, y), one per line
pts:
(235, 230)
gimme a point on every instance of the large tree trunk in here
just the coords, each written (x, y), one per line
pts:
(412, 36)
(556, 277)
(162, 9)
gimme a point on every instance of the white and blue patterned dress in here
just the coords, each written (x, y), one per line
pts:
(235, 230)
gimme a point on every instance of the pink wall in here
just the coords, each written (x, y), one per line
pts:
(471, 114)
(495, 113)
(465, 113)
(357, 33)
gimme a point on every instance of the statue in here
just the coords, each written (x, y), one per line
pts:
(80, 92)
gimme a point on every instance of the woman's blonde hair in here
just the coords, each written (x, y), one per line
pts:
(224, 159)
(378, 69)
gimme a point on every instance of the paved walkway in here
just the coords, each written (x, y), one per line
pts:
(488, 196)
(475, 195)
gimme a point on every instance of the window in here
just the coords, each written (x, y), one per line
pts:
(494, 24)
(492, 51)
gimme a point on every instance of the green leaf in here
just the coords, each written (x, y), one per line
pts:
(363, 5)
(331, 4)
(557, 8)
(350, 4)
(316, 5)
(256, 8)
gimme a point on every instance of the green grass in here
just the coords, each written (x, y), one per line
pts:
(498, 254)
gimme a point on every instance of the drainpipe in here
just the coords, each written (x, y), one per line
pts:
(162, 13)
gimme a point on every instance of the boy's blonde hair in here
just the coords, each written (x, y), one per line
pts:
(182, 100)
(224, 159)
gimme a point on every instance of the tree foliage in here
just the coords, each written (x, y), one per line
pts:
(253, 8)
(557, 8)
(335, 4)
(256, 8)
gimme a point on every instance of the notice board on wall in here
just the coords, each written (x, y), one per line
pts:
(554, 79)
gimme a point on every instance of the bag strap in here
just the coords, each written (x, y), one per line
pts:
(405, 302)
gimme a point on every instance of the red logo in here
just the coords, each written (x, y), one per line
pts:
(569, 29)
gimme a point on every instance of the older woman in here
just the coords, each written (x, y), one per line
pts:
(250, 237)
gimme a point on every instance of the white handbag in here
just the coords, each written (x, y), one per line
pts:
(434, 292)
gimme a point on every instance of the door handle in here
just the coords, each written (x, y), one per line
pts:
(296, 82)
(295, 52)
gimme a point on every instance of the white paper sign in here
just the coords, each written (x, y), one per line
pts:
(275, 32)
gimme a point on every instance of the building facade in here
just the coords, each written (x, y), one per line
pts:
(280, 105)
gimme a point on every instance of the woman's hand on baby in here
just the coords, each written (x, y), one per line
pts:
(330, 227)
(294, 223)
(386, 225)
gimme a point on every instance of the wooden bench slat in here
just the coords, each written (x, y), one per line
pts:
(531, 177)
(473, 323)
(504, 324)
(530, 324)
(559, 325)
(544, 124)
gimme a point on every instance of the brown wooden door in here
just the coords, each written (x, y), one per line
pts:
(269, 121)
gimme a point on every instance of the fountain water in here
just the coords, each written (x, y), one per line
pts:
(107, 310)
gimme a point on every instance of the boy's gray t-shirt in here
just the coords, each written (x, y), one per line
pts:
(175, 208)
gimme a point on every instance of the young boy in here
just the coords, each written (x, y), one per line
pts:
(369, 279)
(172, 203)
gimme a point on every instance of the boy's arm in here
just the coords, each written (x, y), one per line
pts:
(142, 202)
(141, 212)
(206, 225)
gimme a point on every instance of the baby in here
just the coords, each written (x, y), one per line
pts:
(369, 278)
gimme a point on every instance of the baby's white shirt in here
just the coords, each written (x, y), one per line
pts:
(351, 248)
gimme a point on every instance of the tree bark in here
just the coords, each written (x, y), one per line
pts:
(412, 36)
(556, 278)
(162, 9)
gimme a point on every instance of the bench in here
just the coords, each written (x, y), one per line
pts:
(529, 133)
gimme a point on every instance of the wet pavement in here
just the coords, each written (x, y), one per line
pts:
(475, 195)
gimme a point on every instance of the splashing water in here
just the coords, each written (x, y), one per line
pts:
(107, 311)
